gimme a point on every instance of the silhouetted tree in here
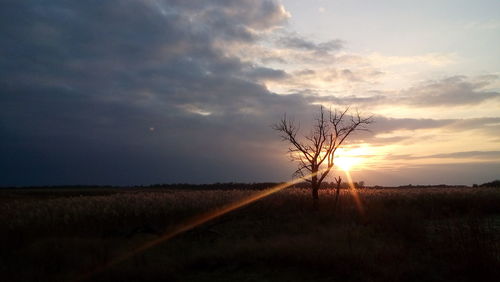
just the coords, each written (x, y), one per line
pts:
(315, 152)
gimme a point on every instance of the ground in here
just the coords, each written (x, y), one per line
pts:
(404, 234)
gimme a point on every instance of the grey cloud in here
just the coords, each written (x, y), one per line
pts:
(352, 100)
(452, 91)
(227, 18)
(487, 126)
(459, 173)
(83, 82)
(492, 123)
(262, 73)
(467, 154)
(273, 59)
(310, 79)
(385, 125)
(305, 72)
(349, 75)
(478, 155)
(294, 41)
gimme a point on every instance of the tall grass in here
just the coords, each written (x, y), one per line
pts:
(432, 234)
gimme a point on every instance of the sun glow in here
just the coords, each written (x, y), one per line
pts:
(346, 163)
(347, 159)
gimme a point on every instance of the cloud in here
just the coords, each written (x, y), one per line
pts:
(384, 124)
(467, 154)
(457, 173)
(392, 131)
(263, 73)
(294, 41)
(326, 82)
(84, 82)
(492, 123)
(481, 155)
(451, 91)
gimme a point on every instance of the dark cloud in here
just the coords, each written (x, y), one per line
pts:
(132, 92)
(83, 82)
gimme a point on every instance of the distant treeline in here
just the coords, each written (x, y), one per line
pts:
(429, 186)
(215, 186)
(247, 186)
(494, 183)
(211, 186)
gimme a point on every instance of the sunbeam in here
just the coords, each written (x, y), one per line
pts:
(192, 223)
(354, 193)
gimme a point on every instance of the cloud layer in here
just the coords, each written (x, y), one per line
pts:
(132, 92)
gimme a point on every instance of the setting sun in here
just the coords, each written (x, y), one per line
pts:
(346, 163)
(347, 159)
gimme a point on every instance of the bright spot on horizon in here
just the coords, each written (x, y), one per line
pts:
(346, 159)
(345, 163)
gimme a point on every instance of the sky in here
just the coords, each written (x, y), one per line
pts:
(128, 92)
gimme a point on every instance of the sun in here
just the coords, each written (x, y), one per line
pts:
(347, 159)
(346, 163)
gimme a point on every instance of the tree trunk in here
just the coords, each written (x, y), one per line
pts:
(315, 187)
(314, 183)
(315, 194)
(337, 192)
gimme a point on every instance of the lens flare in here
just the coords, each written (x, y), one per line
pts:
(192, 223)
(354, 193)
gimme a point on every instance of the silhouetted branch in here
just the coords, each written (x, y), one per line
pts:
(325, 137)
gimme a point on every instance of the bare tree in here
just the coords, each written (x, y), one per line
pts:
(315, 152)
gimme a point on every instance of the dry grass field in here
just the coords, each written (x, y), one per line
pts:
(401, 234)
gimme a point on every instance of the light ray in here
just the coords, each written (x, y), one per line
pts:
(192, 223)
(354, 193)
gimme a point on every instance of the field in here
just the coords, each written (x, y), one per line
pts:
(401, 234)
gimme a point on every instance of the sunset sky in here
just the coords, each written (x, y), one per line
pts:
(142, 91)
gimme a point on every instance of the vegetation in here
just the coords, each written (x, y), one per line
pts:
(495, 183)
(418, 234)
(315, 154)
